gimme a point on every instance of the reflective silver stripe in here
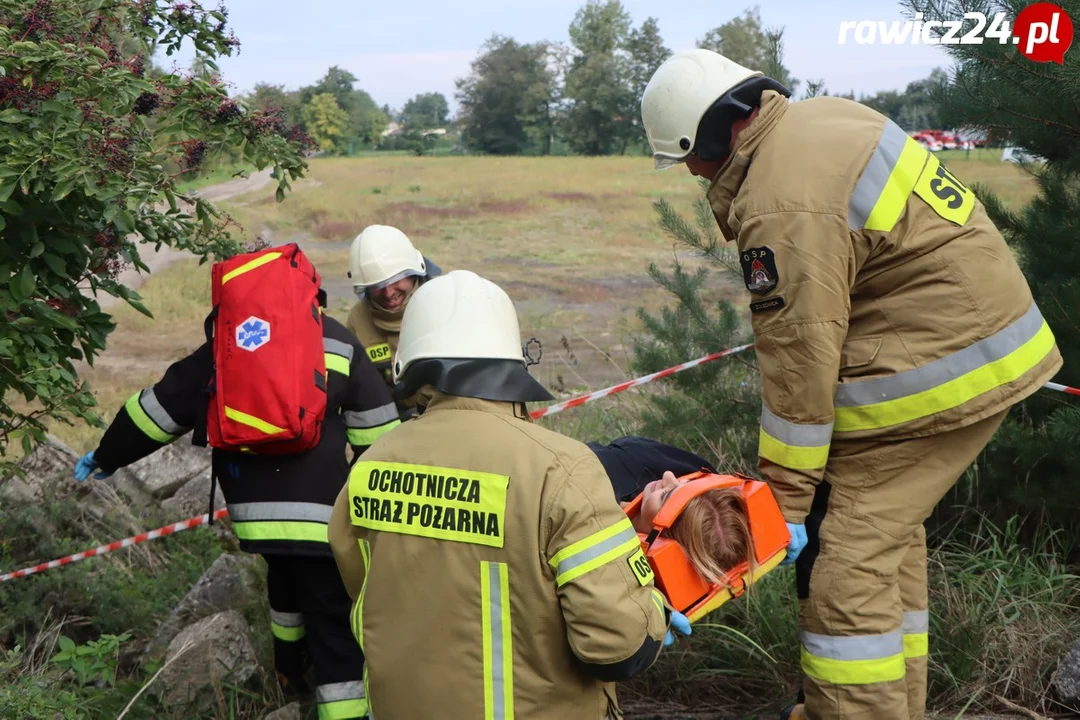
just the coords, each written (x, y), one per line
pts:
(337, 347)
(917, 621)
(941, 371)
(852, 647)
(795, 434)
(255, 511)
(150, 405)
(498, 684)
(592, 552)
(335, 692)
(875, 176)
(371, 418)
(287, 619)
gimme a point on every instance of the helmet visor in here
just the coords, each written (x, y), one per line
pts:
(663, 162)
(362, 290)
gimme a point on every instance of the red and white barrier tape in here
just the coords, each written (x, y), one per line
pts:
(536, 415)
(621, 387)
(1063, 388)
(135, 540)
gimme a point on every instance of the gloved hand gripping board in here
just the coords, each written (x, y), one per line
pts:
(676, 577)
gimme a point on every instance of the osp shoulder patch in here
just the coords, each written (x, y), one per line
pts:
(641, 567)
(763, 305)
(759, 270)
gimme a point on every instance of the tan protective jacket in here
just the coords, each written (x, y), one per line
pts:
(488, 559)
(381, 346)
(888, 305)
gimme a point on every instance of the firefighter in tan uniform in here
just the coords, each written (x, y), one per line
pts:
(386, 270)
(492, 568)
(893, 331)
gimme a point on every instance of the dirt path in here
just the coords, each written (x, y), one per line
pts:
(158, 260)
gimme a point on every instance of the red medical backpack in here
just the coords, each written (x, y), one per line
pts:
(267, 393)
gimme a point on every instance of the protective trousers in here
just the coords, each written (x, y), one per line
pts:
(309, 617)
(861, 579)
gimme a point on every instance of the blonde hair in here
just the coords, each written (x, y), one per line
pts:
(714, 530)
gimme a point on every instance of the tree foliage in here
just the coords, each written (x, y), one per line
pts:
(93, 150)
(426, 111)
(326, 122)
(611, 66)
(506, 99)
(746, 41)
(713, 409)
(365, 119)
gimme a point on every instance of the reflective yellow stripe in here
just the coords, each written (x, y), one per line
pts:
(257, 262)
(143, 422)
(358, 608)
(281, 530)
(949, 394)
(894, 196)
(287, 634)
(886, 183)
(498, 647)
(658, 600)
(343, 709)
(791, 456)
(252, 421)
(592, 552)
(854, 672)
(337, 363)
(853, 659)
(379, 353)
(367, 436)
(916, 644)
(793, 445)
(341, 700)
(915, 628)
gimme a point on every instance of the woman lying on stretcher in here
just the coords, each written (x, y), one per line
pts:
(714, 529)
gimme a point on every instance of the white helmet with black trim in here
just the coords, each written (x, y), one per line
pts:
(460, 334)
(691, 101)
(381, 255)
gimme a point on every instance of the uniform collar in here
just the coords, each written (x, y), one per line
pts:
(443, 401)
(725, 186)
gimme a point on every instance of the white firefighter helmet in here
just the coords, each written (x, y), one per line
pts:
(455, 320)
(679, 94)
(380, 256)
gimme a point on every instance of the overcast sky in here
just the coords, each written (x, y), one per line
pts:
(400, 48)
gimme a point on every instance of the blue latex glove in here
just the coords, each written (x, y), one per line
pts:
(680, 623)
(86, 465)
(798, 542)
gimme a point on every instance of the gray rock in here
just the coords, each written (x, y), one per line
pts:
(50, 463)
(1066, 681)
(289, 712)
(165, 471)
(206, 653)
(194, 498)
(226, 585)
(49, 471)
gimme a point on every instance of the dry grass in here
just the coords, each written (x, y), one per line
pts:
(568, 238)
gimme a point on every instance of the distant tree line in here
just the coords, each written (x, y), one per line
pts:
(578, 97)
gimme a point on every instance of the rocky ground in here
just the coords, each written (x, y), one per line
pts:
(205, 637)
